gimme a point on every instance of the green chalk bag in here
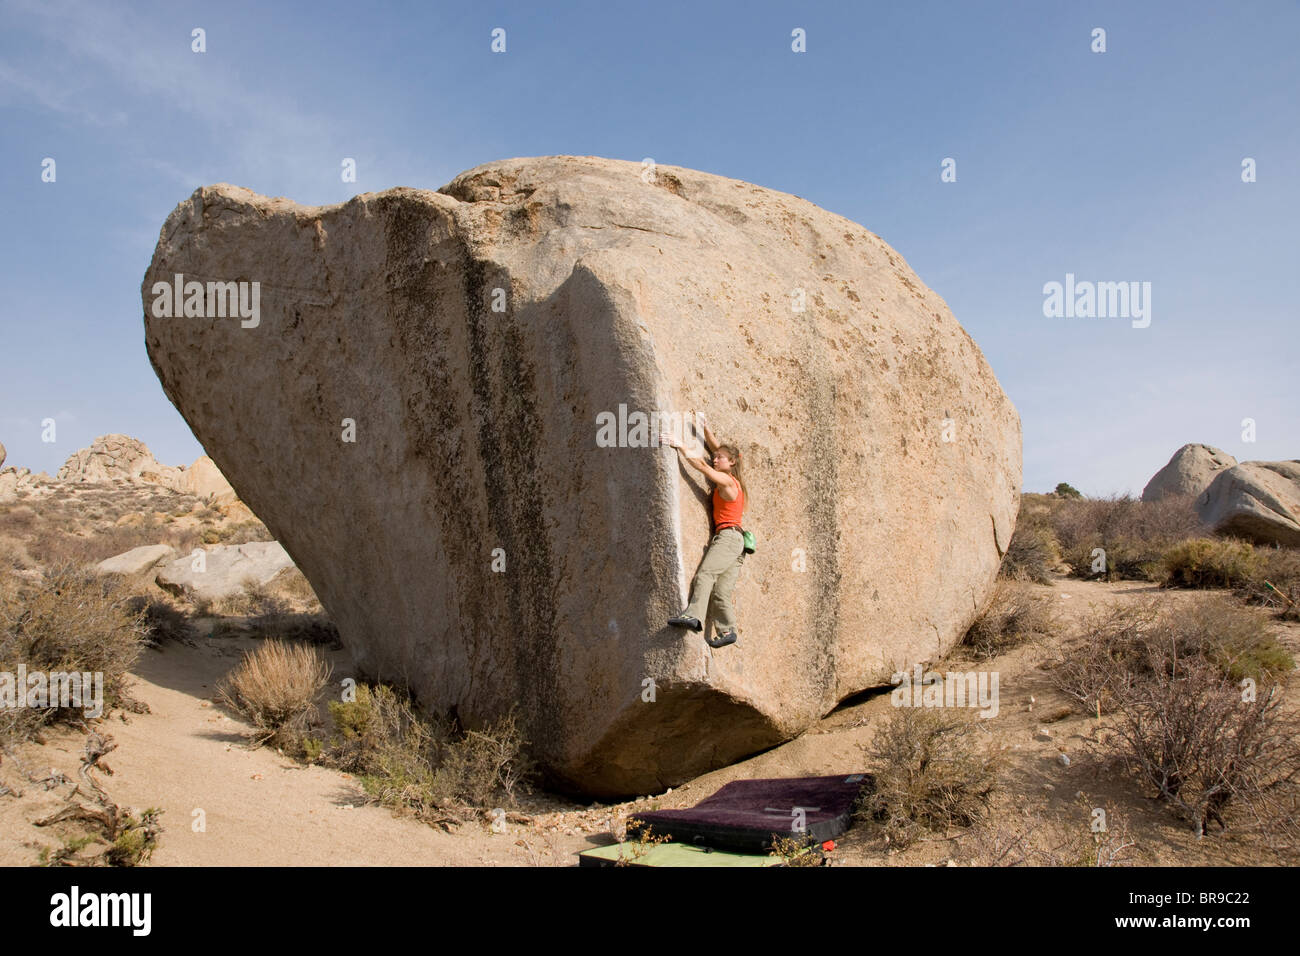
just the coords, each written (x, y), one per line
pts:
(749, 541)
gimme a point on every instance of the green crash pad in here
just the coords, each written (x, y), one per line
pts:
(672, 854)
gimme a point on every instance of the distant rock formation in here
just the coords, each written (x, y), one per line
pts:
(480, 540)
(1189, 472)
(122, 458)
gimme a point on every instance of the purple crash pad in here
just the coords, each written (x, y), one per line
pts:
(745, 814)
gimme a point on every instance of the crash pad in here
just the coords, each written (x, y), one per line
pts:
(745, 814)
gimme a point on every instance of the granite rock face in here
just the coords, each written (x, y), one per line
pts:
(224, 570)
(1256, 500)
(1189, 472)
(417, 400)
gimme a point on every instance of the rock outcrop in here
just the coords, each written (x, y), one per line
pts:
(1189, 472)
(204, 480)
(2, 455)
(137, 560)
(419, 412)
(1256, 500)
(124, 459)
(224, 571)
(110, 458)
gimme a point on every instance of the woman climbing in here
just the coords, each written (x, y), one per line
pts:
(717, 573)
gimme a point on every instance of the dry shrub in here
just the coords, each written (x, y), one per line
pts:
(1014, 615)
(275, 688)
(1201, 744)
(1034, 840)
(1114, 652)
(931, 770)
(1133, 533)
(1279, 567)
(1033, 551)
(293, 584)
(71, 620)
(1195, 693)
(1210, 563)
(408, 762)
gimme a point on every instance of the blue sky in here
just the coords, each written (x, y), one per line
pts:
(1115, 166)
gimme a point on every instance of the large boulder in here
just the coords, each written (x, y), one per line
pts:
(1189, 472)
(1256, 500)
(2, 454)
(224, 570)
(417, 411)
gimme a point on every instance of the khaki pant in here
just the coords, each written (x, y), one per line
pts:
(715, 579)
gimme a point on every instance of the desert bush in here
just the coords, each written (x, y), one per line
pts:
(1033, 550)
(1133, 533)
(293, 584)
(1115, 653)
(251, 600)
(1210, 563)
(478, 764)
(1194, 690)
(1066, 490)
(275, 688)
(931, 772)
(1014, 615)
(408, 762)
(162, 621)
(71, 620)
(1202, 744)
(1279, 567)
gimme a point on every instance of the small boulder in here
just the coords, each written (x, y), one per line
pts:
(137, 560)
(226, 568)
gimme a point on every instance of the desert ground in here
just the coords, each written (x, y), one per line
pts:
(226, 801)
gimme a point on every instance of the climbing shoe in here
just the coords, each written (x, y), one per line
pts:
(691, 622)
(722, 640)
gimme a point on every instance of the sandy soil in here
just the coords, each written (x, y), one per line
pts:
(262, 809)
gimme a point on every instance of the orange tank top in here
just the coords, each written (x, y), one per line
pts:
(727, 514)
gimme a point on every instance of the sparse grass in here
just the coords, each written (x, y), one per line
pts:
(932, 771)
(1033, 840)
(1014, 615)
(275, 687)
